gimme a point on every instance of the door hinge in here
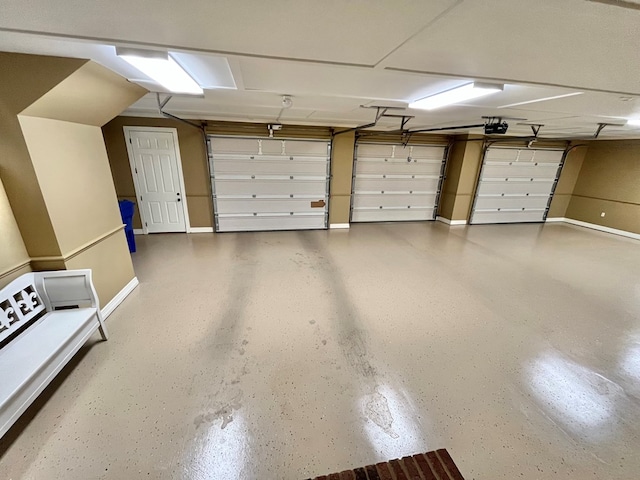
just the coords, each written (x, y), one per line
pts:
(146, 224)
(130, 141)
(135, 170)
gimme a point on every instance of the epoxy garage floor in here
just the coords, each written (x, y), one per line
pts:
(293, 354)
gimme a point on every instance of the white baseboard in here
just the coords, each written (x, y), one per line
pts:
(138, 231)
(201, 230)
(339, 225)
(451, 222)
(593, 226)
(119, 298)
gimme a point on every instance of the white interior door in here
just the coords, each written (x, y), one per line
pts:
(269, 184)
(516, 185)
(396, 182)
(157, 172)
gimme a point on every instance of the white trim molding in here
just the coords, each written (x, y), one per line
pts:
(451, 222)
(339, 225)
(119, 298)
(138, 231)
(201, 230)
(593, 226)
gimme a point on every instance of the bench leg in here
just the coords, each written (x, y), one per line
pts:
(102, 328)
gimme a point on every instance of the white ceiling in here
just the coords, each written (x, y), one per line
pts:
(333, 56)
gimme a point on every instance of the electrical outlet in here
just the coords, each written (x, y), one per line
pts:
(602, 214)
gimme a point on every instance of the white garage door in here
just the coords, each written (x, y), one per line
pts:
(516, 185)
(396, 183)
(269, 184)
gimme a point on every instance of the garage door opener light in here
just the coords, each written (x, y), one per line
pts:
(161, 67)
(456, 95)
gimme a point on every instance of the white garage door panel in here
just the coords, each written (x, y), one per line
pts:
(516, 185)
(376, 200)
(277, 188)
(512, 201)
(269, 184)
(398, 167)
(270, 165)
(368, 150)
(546, 170)
(404, 185)
(508, 216)
(254, 223)
(396, 183)
(392, 215)
(266, 205)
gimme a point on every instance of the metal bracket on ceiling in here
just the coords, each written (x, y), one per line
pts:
(600, 128)
(381, 111)
(161, 104)
(535, 128)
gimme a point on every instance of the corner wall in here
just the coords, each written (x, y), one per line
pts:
(14, 259)
(567, 181)
(609, 182)
(341, 176)
(55, 167)
(461, 176)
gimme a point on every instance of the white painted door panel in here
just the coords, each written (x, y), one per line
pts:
(396, 183)
(269, 184)
(156, 169)
(515, 185)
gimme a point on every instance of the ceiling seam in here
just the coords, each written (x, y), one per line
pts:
(509, 80)
(123, 43)
(618, 3)
(429, 24)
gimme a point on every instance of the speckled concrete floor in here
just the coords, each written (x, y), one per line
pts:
(292, 354)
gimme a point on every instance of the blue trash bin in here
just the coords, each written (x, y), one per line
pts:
(127, 208)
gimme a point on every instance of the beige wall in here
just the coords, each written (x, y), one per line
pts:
(54, 163)
(24, 79)
(110, 261)
(86, 208)
(609, 182)
(567, 181)
(463, 167)
(341, 175)
(194, 165)
(14, 259)
(452, 177)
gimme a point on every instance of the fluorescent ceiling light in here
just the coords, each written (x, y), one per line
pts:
(541, 99)
(456, 95)
(162, 68)
(633, 122)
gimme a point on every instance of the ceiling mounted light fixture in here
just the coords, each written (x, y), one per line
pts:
(456, 95)
(162, 68)
(633, 122)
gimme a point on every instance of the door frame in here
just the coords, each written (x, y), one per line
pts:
(127, 141)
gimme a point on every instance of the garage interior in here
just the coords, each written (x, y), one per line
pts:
(329, 274)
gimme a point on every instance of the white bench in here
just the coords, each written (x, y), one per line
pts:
(45, 317)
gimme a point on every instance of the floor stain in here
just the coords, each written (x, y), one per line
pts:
(377, 410)
(223, 412)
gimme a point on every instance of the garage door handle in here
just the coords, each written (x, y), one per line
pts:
(318, 204)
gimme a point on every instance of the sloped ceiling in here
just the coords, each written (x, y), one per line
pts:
(334, 56)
